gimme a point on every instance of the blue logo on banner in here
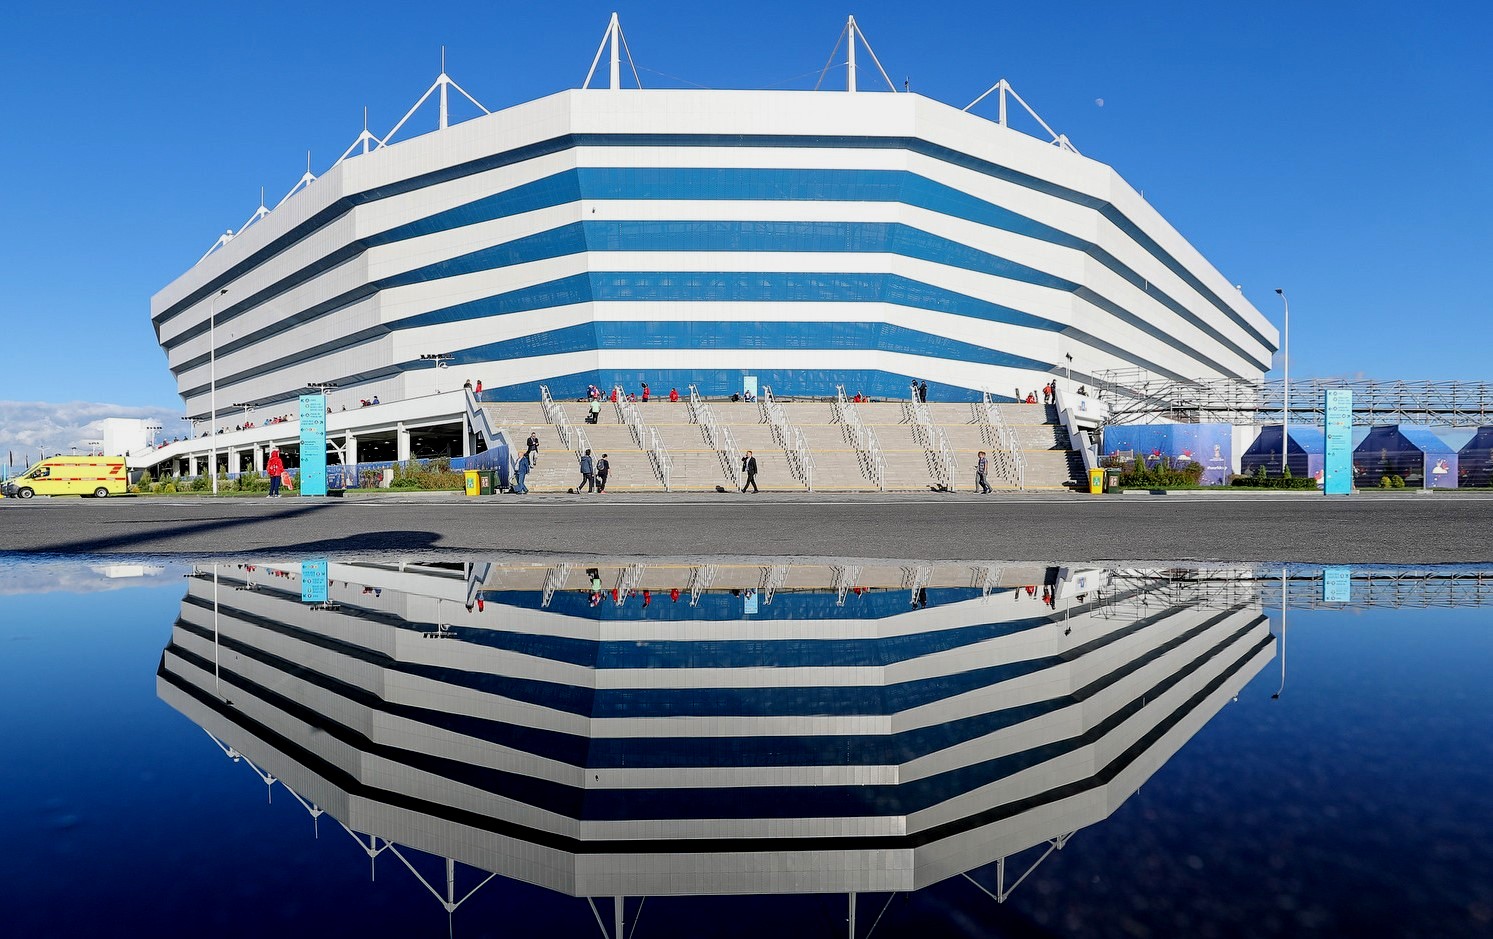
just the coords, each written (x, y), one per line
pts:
(314, 581)
(1337, 463)
(313, 479)
(1337, 584)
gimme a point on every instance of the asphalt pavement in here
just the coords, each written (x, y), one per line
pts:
(1398, 528)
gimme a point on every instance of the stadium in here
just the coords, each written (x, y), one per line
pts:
(729, 240)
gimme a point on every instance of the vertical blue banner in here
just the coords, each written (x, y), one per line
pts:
(313, 475)
(314, 581)
(1337, 584)
(1337, 462)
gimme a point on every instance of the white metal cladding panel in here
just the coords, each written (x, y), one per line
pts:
(344, 322)
(279, 343)
(456, 241)
(266, 323)
(526, 123)
(294, 378)
(381, 215)
(364, 220)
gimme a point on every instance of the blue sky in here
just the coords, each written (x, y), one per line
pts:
(1338, 150)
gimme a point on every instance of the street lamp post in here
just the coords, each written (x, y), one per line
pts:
(1285, 412)
(212, 387)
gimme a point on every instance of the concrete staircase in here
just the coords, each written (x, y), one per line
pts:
(1050, 464)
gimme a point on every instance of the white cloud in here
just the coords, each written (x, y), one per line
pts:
(28, 427)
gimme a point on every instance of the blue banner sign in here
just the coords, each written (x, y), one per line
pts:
(313, 476)
(1337, 462)
(314, 581)
(1337, 584)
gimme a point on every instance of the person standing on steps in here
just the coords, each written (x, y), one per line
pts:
(749, 466)
(603, 470)
(521, 470)
(276, 468)
(531, 448)
(923, 392)
(594, 414)
(588, 474)
(982, 466)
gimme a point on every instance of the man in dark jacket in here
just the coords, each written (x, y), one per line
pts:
(749, 466)
(531, 448)
(603, 470)
(588, 474)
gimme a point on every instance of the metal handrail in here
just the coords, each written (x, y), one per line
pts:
(571, 437)
(645, 438)
(1007, 461)
(935, 443)
(658, 457)
(789, 437)
(718, 438)
(861, 438)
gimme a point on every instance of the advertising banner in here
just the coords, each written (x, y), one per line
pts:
(1211, 445)
(1475, 459)
(1337, 429)
(1415, 454)
(313, 475)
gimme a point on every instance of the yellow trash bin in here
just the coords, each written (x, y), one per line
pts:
(473, 482)
(1096, 481)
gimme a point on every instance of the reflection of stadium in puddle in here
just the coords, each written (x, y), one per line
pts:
(711, 729)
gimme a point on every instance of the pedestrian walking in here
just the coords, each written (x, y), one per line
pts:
(603, 470)
(749, 466)
(531, 448)
(594, 413)
(588, 474)
(276, 468)
(478, 390)
(520, 471)
(982, 467)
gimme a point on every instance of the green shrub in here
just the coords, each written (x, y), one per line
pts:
(1161, 476)
(1285, 471)
(1385, 482)
(1397, 482)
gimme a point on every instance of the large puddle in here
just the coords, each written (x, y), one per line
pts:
(838, 748)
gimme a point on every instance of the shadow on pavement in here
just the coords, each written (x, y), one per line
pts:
(154, 532)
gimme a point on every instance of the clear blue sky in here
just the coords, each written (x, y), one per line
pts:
(1338, 150)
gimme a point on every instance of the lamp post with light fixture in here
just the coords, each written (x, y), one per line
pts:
(1285, 411)
(212, 381)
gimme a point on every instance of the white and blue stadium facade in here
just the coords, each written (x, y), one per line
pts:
(615, 235)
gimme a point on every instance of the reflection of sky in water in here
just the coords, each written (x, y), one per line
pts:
(1358, 803)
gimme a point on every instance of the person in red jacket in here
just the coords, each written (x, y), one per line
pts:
(276, 468)
(674, 395)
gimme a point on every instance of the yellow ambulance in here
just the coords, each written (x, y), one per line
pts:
(96, 476)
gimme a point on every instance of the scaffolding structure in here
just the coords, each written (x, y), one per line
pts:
(1134, 594)
(1138, 396)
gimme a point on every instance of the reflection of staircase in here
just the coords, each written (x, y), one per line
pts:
(1049, 464)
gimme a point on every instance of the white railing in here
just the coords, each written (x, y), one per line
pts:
(572, 438)
(718, 438)
(789, 437)
(935, 443)
(644, 437)
(659, 459)
(1006, 461)
(861, 438)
